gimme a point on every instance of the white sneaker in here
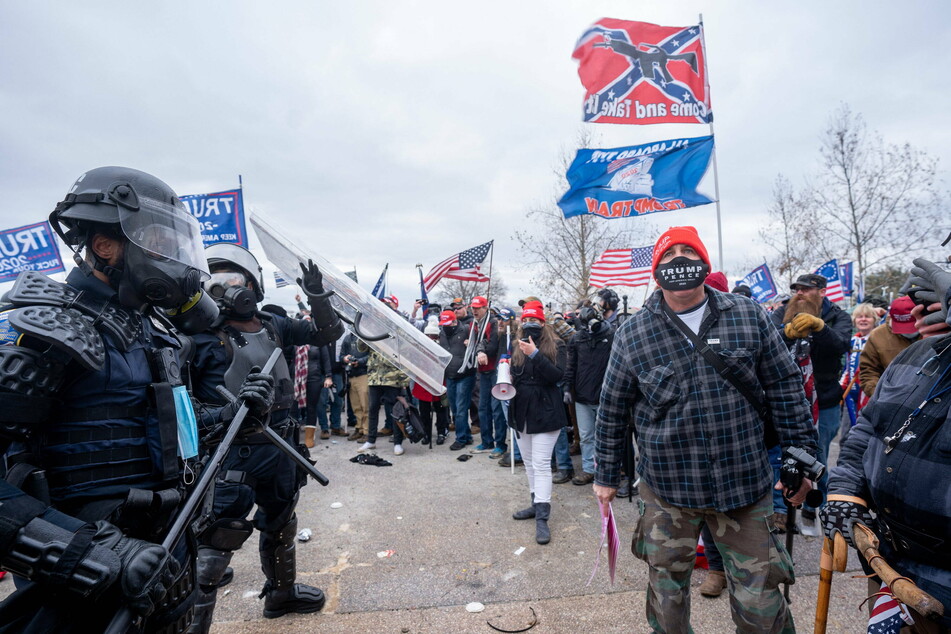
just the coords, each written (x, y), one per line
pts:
(367, 446)
(398, 450)
(809, 527)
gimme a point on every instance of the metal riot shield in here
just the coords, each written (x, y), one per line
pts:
(383, 329)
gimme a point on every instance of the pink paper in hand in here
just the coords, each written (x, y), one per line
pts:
(609, 535)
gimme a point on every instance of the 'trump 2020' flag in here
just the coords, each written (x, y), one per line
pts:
(637, 72)
(845, 276)
(761, 283)
(29, 248)
(622, 267)
(461, 266)
(221, 216)
(830, 271)
(637, 180)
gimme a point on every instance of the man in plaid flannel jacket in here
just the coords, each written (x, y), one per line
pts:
(701, 442)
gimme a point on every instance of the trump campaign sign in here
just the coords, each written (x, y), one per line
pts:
(221, 216)
(29, 248)
(637, 180)
(642, 73)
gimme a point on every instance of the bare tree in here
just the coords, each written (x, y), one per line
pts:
(447, 289)
(790, 232)
(875, 203)
(561, 250)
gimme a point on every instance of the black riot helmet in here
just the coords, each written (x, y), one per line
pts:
(609, 299)
(233, 268)
(162, 263)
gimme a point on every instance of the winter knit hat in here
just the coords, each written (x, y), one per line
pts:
(718, 281)
(679, 235)
(533, 309)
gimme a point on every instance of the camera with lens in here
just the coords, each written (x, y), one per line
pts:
(798, 464)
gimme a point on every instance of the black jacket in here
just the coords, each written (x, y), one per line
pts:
(538, 404)
(829, 346)
(349, 347)
(455, 344)
(587, 360)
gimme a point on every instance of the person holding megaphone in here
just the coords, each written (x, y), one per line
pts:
(536, 412)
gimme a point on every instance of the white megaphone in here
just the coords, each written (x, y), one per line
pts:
(503, 389)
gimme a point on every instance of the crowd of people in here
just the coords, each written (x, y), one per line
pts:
(153, 371)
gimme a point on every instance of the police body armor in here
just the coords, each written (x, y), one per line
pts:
(252, 349)
(100, 442)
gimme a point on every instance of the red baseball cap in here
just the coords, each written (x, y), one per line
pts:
(479, 302)
(903, 323)
(446, 317)
(531, 310)
(679, 235)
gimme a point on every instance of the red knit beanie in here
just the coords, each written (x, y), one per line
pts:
(679, 235)
(718, 281)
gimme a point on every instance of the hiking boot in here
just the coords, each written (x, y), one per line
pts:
(583, 478)
(324, 434)
(337, 431)
(386, 431)
(506, 460)
(355, 435)
(714, 584)
(560, 477)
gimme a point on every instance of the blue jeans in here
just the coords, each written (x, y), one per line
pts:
(491, 419)
(586, 415)
(336, 404)
(562, 455)
(460, 395)
(828, 428)
(775, 461)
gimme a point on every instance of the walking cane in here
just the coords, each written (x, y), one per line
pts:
(834, 557)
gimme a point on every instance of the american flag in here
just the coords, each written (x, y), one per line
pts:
(622, 267)
(279, 281)
(888, 615)
(461, 266)
(830, 271)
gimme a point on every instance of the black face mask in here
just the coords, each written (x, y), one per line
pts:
(532, 330)
(449, 330)
(681, 274)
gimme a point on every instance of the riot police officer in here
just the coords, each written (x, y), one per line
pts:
(92, 408)
(256, 471)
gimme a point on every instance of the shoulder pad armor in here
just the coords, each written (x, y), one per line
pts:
(64, 328)
(35, 289)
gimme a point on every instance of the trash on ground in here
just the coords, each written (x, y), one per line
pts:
(336, 505)
(475, 606)
(305, 535)
(524, 629)
(385, 553)
(519, 551)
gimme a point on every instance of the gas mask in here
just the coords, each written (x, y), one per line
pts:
(592, 319)
(230, 291)
(681, 274)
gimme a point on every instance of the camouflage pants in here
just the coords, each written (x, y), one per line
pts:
(755, 561)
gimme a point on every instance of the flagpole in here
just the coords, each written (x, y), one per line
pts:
(716, 175)
(488, 289)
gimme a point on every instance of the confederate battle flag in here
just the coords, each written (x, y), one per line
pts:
(640, 73)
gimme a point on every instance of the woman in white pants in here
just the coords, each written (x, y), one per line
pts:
(536, 412)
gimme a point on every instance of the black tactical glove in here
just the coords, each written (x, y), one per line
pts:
(837, 516)
(147, 571)
(257, 392)
(312, 280)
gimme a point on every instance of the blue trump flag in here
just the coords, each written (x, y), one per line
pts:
(637, 180)
(761, 283)
(845, 275)
(221, 216)
(29, 248)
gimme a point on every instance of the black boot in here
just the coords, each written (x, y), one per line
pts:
(542, 512)
(279, 563)
(211, 569)
(525, 514)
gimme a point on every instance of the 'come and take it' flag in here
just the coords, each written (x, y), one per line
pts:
(642, 73)
(637, 180)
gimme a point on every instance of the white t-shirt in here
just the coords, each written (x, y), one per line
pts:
(694, 317)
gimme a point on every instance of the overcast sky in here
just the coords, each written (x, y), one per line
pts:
(403, 132)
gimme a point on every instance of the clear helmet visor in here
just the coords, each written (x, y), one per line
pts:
(165, 232)
(226, 279)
